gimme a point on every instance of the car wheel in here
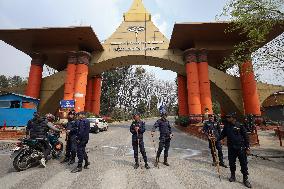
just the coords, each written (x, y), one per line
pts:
(106, 128)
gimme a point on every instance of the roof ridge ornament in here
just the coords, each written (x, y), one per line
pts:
(137, 13)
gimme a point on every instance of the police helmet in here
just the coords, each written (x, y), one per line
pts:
(50, 117)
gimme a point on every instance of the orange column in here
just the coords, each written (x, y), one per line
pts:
(250, 94)
(35, 76)
(81, 78)
(70, 77)
(204, 83)
(88, 107)
(182, 96)
(96, 98)
(193, 92)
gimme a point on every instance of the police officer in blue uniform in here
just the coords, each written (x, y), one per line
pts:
(212, 130)
(238, 147)
(82, 140)
(165, 137)
(137, 129)
(71, 143)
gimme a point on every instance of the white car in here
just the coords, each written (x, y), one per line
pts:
(97, 124)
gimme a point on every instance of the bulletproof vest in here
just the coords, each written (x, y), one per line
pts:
(235, 138)
(164, 127)
(72, 126)
(38, 128)
(83, 129)
(211, 128)
(137, 124)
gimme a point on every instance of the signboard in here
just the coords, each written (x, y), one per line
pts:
(67, 104)
(136, 45)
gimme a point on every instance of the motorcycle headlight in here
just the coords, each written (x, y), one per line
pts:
(58, 146)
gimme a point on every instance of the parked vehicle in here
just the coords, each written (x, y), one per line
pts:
(28, 153)
(56, 145)
(98, 124)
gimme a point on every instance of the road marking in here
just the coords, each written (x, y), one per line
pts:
(62, 180)
(11, 179)
(114, 179)
(166, 179)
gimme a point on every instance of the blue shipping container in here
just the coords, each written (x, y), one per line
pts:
(12, 111)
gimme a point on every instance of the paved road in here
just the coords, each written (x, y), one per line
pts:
(111, 159)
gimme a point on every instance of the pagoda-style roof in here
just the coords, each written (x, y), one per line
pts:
(54, 42)
(213, 36)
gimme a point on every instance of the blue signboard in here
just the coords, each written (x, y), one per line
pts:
(67, 104)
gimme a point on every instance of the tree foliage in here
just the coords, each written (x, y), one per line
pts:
(256, 19)
(133, 89)
(13, 81)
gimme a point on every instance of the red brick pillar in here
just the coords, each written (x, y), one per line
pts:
(182, 96)
(193, 92)
(204, 83)
(81, 78)
(89, 93)
(35, 75)
(96, 98)
(249, 89)
(70, 76)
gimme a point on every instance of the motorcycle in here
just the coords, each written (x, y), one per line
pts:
(55, 145)
(26, 154)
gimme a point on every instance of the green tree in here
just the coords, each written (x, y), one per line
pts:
(111, 83)
(255, 19)
(16, 81)
(4, 81)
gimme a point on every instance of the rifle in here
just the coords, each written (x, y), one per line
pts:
(155, 150)
(138, 141)
(213, 147)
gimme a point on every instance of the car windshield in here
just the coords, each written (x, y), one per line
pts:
(92, 120)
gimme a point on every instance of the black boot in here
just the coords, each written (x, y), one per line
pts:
(246, 182)
(232, 178)
(157, 161)
(147, 166)
(86, 165)
(77, 169)
(136, 166)
(166, 161)
(222, 164)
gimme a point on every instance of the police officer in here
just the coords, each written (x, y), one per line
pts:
(82, 140)
(165, 137)
(238, 147)
(212, 130)
(71, 143)
(137, 129)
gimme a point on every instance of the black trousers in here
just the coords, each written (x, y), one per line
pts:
(71, 147)
(219, 149)
(81, 153)
(142, 150)
(164, 144)
(44, 147)
(242, 156)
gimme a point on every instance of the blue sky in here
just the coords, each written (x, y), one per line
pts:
(104, 16)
